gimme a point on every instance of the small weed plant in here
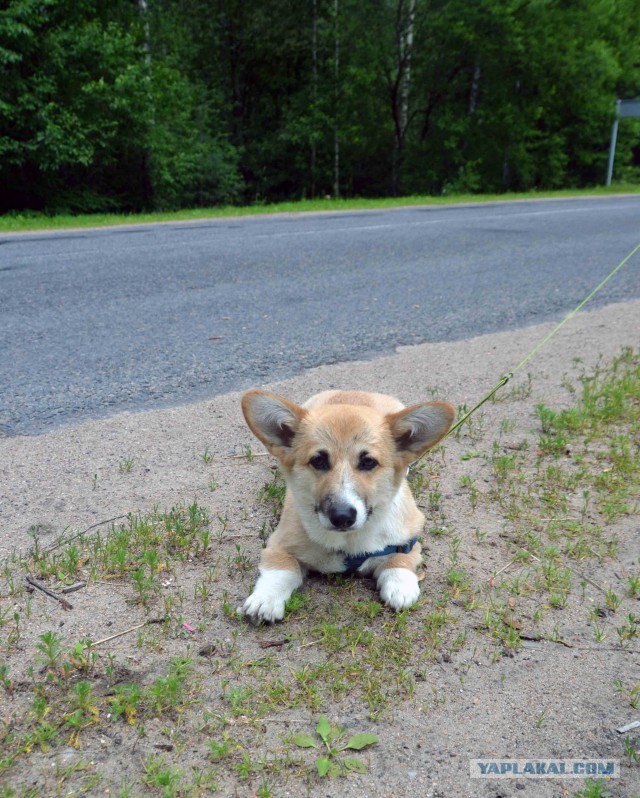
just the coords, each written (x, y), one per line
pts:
(335, 760)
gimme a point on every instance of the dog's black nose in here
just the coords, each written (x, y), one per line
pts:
(342, 516)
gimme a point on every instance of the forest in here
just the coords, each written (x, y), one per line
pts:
(130, 105)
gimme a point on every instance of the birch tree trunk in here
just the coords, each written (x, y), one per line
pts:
(314, 92)
(405, 23)
(147, 182)
(336, 76)
(404, 66)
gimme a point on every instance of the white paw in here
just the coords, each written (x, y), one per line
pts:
(398, 587)
(261, 608)
(273, 588)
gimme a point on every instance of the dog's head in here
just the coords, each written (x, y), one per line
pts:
(344, 462)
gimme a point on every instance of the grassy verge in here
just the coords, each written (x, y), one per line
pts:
(256, 711)
(22, 222)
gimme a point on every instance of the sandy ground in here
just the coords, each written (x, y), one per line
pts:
(73, 478)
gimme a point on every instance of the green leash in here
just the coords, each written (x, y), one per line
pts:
(505, 379)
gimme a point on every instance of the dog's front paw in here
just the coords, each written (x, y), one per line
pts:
(398, 587)
(261, 607)
(273, 588)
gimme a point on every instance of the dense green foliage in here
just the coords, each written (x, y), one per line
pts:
(157, 104)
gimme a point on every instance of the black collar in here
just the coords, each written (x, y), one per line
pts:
(353, 561)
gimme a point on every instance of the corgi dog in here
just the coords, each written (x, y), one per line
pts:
(348, 507)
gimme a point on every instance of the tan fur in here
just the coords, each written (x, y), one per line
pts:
(411, 561)
(279, 558)
(344, 456)
(378, 401)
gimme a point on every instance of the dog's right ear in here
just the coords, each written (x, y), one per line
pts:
(272, 419)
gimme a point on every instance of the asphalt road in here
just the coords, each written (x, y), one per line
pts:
(99, 321)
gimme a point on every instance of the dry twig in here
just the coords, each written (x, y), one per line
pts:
(34, 583)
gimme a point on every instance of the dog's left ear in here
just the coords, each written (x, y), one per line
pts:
(418, 428)
(272, 419)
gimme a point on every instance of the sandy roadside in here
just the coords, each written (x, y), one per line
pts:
(463, 706)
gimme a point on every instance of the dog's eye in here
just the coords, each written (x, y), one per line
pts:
(367, 463)
(320, 461)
